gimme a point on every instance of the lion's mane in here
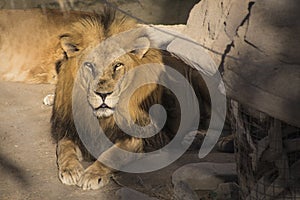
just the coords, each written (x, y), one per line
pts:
(87, 34)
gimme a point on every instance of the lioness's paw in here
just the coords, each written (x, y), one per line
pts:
(49, 100)
(93, 178)
(70, 173)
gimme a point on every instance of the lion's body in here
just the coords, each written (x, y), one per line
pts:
(29, 43)
(62, 117)
(81, 46)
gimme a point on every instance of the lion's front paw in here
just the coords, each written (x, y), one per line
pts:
(94, 177)
(70, 173)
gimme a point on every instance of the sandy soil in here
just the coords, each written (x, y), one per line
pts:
(27, 157)
(27, 153)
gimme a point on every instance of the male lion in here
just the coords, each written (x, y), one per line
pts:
(104, 88)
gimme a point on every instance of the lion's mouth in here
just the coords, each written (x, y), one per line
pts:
(103, 111)
(103, 106)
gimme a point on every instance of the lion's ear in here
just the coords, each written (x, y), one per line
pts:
(141, 46)
(69, 45)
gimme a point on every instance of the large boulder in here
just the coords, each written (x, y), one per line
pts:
(205, 176)
(256, 46)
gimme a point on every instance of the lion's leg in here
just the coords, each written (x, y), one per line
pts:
(68, 161)
(97, 175)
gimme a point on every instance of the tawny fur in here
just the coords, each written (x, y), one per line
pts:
(29, 43)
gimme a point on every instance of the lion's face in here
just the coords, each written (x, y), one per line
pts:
(108, 83)
(105, 91)
(107, 61)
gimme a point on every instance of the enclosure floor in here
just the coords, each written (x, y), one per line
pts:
(27, 153)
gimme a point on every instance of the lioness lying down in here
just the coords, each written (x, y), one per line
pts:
(29, 43)
(102, 87)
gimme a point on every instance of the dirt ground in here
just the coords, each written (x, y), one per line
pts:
(27, 154)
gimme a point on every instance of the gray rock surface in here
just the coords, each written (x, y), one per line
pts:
(205, 176)
(214, 23)
(256, 46)
(183, 191)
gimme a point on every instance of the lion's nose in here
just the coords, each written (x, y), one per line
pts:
(103, 95)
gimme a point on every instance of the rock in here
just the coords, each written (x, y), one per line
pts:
(183, 191)
(255, 45)
(262, 68)
(130, 194)
(227, 191)
(205, 176)
(213, 24)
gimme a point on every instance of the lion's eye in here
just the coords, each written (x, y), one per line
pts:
(89, 65)
(118, 66)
